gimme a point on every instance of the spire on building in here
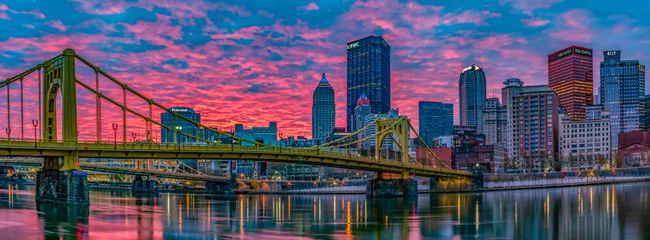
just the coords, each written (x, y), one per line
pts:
(323, 82)
(363, 99)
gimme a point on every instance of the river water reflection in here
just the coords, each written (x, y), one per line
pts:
(590, 212)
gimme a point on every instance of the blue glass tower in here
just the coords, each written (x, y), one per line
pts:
(472, 93)
(622, 86)
(179, 125)
(435, 119)
(369, 73)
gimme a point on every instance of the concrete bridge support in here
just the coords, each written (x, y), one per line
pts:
(221, 187)
(144, 185)
(403, 186)
(58, 185)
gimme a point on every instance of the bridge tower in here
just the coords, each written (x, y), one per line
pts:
(61, 179)
(398, 130)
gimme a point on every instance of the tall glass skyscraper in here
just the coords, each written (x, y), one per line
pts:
(622, 86)
(369, 73)
(570, 74)
(435, 119)
(471, 90)
(323, 111)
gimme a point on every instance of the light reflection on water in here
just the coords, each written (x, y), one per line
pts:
(590, 212)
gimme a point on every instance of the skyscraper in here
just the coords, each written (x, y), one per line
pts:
(368, 72)
(360, 112)
(570, 74)
(622, 86)
(535, 114)
(435, 119)
(513, 87)
(495, 125)
(472, 92)
(323, 111)
(179, 125)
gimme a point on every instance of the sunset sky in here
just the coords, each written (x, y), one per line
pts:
(252, 62)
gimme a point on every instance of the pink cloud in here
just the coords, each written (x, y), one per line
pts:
(535, 22)
(577, 26)
(56, 24)
(311, 6)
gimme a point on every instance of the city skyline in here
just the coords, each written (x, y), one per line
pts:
(261, 64)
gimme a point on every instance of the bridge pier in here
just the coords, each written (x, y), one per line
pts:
(403, 186)
(144, 185)
(477, 177)
(67, 187)
(221, 187)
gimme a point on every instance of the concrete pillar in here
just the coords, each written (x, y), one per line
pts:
(221, 187)
(392, 187)
(477, 179)
(144, 185)
(432, 183)
(68, 187)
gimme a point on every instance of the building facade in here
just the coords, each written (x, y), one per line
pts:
(495, 125)
(633, 149)
(472, 94)
(535, 126)
(371, 130)
(368, 71)
(266, 135)
(435, 119)
(362, 110)
(645, 119)
(570, 74)
(622, 86)
(512, 88)
(582, 143)
(179, 125)
(323, 111)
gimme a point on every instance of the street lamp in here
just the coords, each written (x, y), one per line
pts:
(280, 142)
(8, 130)
(115, 125)
(35, 124)
(134, 135)
(232, 141)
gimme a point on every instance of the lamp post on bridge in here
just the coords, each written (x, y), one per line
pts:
(8, 130)
(35, 124)
(134, 135)
(115, 126)
(280, 142)
(232, 140)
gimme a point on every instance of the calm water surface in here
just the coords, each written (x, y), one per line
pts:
(592, 212)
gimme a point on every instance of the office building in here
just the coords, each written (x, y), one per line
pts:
(512, 88)
(472, 92)
(581, 143)
(266, 135)
(323, 111)
(370, 131)
(622, 86)
(570, 74)
(495, 127)
(179, 125)
(435, 119)
(362, 110)
(368, 71)
(535, 125)
(645, 118)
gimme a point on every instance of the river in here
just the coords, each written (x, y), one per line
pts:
(590, 212)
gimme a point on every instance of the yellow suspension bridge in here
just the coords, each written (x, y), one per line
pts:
(386, 150)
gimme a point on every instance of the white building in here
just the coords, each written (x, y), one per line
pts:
(581, 142)
(495, 122)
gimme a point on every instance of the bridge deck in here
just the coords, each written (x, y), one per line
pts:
(311, 156)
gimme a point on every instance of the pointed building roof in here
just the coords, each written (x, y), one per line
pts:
(363, 99)
(323, 82)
